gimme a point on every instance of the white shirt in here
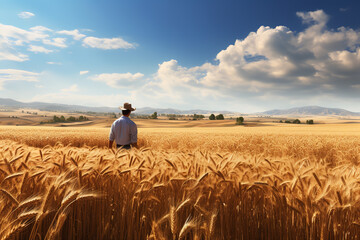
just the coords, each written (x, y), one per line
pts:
(124, 131)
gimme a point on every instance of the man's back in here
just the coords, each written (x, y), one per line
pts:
(123, 131)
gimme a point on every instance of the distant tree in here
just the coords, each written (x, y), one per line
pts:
(212, 117)
(56, 119)
(154, 115)
(287, 121)
(71, 119)
(62, 118)
(281, 121)
(239, 121)
(310, 121)
(220, 117)
(196, 117)
(296, 121)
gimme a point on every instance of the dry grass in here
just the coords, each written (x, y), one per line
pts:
(233, 183)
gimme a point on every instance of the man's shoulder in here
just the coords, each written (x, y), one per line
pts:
(126, 120)
(117, 121)
(132, 122)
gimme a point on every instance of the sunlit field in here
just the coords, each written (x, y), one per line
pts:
(271, 182)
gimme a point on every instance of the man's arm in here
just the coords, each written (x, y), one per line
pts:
(111, 135)
(133, 136)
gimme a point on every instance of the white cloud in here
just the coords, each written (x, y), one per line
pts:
(107, 43)
(40, 29)
(26, 15)
(8, 53)
(118, 80)
(74, 33)
(54, 63)
(11, 37)
(84, 72)
(12, 34)
(87, 30)
(317, 17)
(57, 42)
(72, 88)
(38, 49)
(179, 85)
(343, 9)
(7, 75)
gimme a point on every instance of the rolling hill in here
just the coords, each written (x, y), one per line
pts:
(7, 103)
(311, 110)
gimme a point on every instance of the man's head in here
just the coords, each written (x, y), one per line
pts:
(127, 109)
(126, 112)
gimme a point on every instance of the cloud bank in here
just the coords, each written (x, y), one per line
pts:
(107, 43)
(12, 39)
(269, 65)
(7, 75)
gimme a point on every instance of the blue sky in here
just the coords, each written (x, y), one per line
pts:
(243, 56)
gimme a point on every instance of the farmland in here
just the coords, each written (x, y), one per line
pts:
(269, 182)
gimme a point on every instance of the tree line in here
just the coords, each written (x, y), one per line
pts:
(217, 117)
(297, 121)
(62, 119)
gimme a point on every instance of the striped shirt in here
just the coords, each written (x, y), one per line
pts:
(123, 131)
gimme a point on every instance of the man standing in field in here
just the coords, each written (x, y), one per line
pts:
(123, 130)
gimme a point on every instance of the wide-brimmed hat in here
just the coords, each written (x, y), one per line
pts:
(127, 106)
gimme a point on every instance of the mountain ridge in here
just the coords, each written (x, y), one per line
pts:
(311, 110)
(11, 103)
(296, 111)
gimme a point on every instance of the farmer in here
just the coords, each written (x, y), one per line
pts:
(123, 130)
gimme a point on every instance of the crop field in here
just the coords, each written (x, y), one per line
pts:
(275, 182)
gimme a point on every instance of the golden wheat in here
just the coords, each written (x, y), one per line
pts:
(200, 184)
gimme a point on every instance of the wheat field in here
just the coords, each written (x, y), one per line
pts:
(282, 182)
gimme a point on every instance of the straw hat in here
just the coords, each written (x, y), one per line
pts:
(127, 106)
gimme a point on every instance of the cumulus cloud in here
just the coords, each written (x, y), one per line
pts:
(118, 80)
(8, 53)
(7, 75)
(107, 43)
(38, 49)
(57, 42)
(40, 29)
(271, 65)
(54, 63)
(84, 72)
(12, 37)
(26, 15)
(72, 88)
(74, 33)
(18, 36)
(272, 62)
